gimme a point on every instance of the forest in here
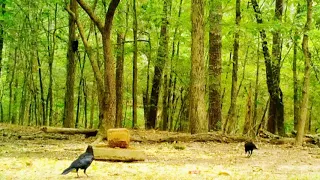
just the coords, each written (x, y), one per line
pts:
(170, 65)
(185, 78)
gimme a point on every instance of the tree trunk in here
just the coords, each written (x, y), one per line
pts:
(3, 7)
(12, 89)
(197, 107)
(135, 66)
(165, 104)
(230, 123)
(68, 116)
(42, 99)
(119, 75)
(276, 108)
(305, 89)
(158, 68)
(85, 98)
(215, 64)
(256, 91)
(146, 101)
(107, 99)
(92, 107)
(296, 102)
(276, 111)
(51, 58)
(248, 125)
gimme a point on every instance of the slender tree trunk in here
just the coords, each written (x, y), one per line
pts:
(85, 98)
(248, 125)
(158, 68)
(165, 104)
(256, 92)
(68, 116)
(51, 59)
(2, 11)
(296, 102)
(92, 107)
(3, 7)
(215, 64)
(42, 99)
(306, 83)
(119, 75)
(197, 107)
(135, 66)
(230, 123)
(12, 89)
(146, 101)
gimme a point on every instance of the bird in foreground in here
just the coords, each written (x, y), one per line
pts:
(83, 162)
(249, 147)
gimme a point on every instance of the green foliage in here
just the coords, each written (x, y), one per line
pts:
(28, 36)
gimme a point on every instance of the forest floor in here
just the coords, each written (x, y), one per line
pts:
(44, 158)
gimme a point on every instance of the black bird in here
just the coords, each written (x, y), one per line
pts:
(83, 162)
(249, 147)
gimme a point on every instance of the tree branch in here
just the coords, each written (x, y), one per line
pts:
(91, 14)
(88, 49)
(110, 13)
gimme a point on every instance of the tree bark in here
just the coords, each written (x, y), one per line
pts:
(306, 83)
(108, 101)
(68, 116)
(165, 104)
(51, 59)
(248, 125)
(3, 7)
(72, 131)
(276, 108)
(296, 101)
(158, 68)
(215, 44)
(197, 108)
(256, 91)
(134, 66)
(119, 75)
(230, 123)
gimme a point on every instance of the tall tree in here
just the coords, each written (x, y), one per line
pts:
(68, 116)
(296, 104)
(230, 123)
(106, 87)
(119, 75)
(215, 18)
(2, 12)
(276, 107)
(158, 68)
(197, 107)
(306, 82)
(135, 66)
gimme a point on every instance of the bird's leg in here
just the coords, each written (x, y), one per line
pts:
(85, 172)
(250, 153)
(77, 173)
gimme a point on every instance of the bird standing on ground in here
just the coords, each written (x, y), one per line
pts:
(249, 147)
(83, 162)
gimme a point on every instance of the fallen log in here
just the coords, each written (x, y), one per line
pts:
(70, 131)
(43, 137)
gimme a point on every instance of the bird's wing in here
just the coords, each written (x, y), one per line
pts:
(83, 160)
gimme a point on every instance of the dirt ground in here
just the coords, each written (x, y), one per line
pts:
(47, 158)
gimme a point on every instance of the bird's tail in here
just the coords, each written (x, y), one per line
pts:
(66, 171)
